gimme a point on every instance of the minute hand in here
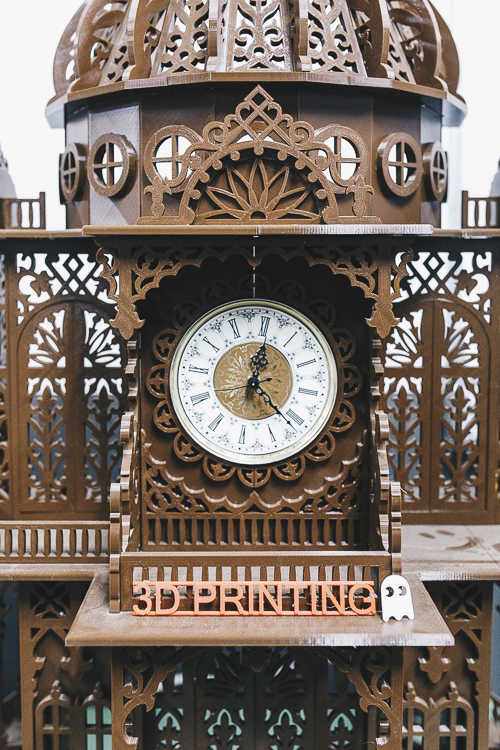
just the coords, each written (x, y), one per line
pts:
(267, 399)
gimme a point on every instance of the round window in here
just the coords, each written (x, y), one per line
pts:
(164, 154)
(400, 164)
(71, 172)
(111, 166)
(435, 171)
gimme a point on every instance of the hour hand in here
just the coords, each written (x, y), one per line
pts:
(259, 359)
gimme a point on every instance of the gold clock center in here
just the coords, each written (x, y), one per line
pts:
(234, 369)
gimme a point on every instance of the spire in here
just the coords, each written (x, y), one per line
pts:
(7, 189)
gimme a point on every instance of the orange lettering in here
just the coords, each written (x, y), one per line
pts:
(224, 599)
(296, 587)
(138, 585)
(339, 603)
(239, 593)
(264, 594)
(165, 586)
(199, 599)
(368, 585)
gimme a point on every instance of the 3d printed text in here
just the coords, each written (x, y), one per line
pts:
(251, 598)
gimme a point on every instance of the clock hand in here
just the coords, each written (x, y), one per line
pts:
(259, 360)
(267, 399)
(237, 387)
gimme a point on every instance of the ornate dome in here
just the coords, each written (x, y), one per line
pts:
(404, 44)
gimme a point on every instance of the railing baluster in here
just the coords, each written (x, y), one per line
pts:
(34, 542)
(21, 542)
(85, 543)
(72, 542)
(97, 542)
(59, 543)
(8, 542)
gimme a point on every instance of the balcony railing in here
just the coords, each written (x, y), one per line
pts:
(22, 213)
(480, 213)
(54, 542)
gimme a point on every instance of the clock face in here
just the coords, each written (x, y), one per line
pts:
(253, 382)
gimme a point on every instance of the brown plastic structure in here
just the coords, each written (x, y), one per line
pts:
(170, 597)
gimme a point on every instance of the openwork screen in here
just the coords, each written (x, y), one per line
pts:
(441, 365)
(62, 378)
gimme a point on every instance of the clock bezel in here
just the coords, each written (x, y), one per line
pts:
(265, 459)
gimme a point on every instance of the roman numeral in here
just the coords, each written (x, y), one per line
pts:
(213, 425)
(309, 362)
(308, 392)
(264, 325)
(291, 337)
(199, 398)
(201, 370)
(215, 348)
(235, 328)
(295, 417)
(271, 434)
(241, 441)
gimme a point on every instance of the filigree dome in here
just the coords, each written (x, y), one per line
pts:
(405, 44)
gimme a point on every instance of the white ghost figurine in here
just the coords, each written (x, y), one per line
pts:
(396, 598)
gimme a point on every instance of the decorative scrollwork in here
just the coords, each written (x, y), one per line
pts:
(418, 32)
(257, 129)
(255, 32)
(377, 271)
(99, 33)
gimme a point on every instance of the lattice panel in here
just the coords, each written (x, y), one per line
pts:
(281, 698)
(437, 386)
(447, 689)
(65, 691)
(256, 35)
(182, 45)
(66, 384)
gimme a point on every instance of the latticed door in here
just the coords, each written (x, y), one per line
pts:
(64, 385)
(436, 390)
(69, 411)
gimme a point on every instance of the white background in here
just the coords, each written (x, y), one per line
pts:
(30, 32)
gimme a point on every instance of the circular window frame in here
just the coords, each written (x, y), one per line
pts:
(384, 164)
(361, 162)
(436, 190)
(150, 159)
(127, 164)
(74, 193)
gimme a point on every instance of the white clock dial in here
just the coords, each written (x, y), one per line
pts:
(253, 382)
